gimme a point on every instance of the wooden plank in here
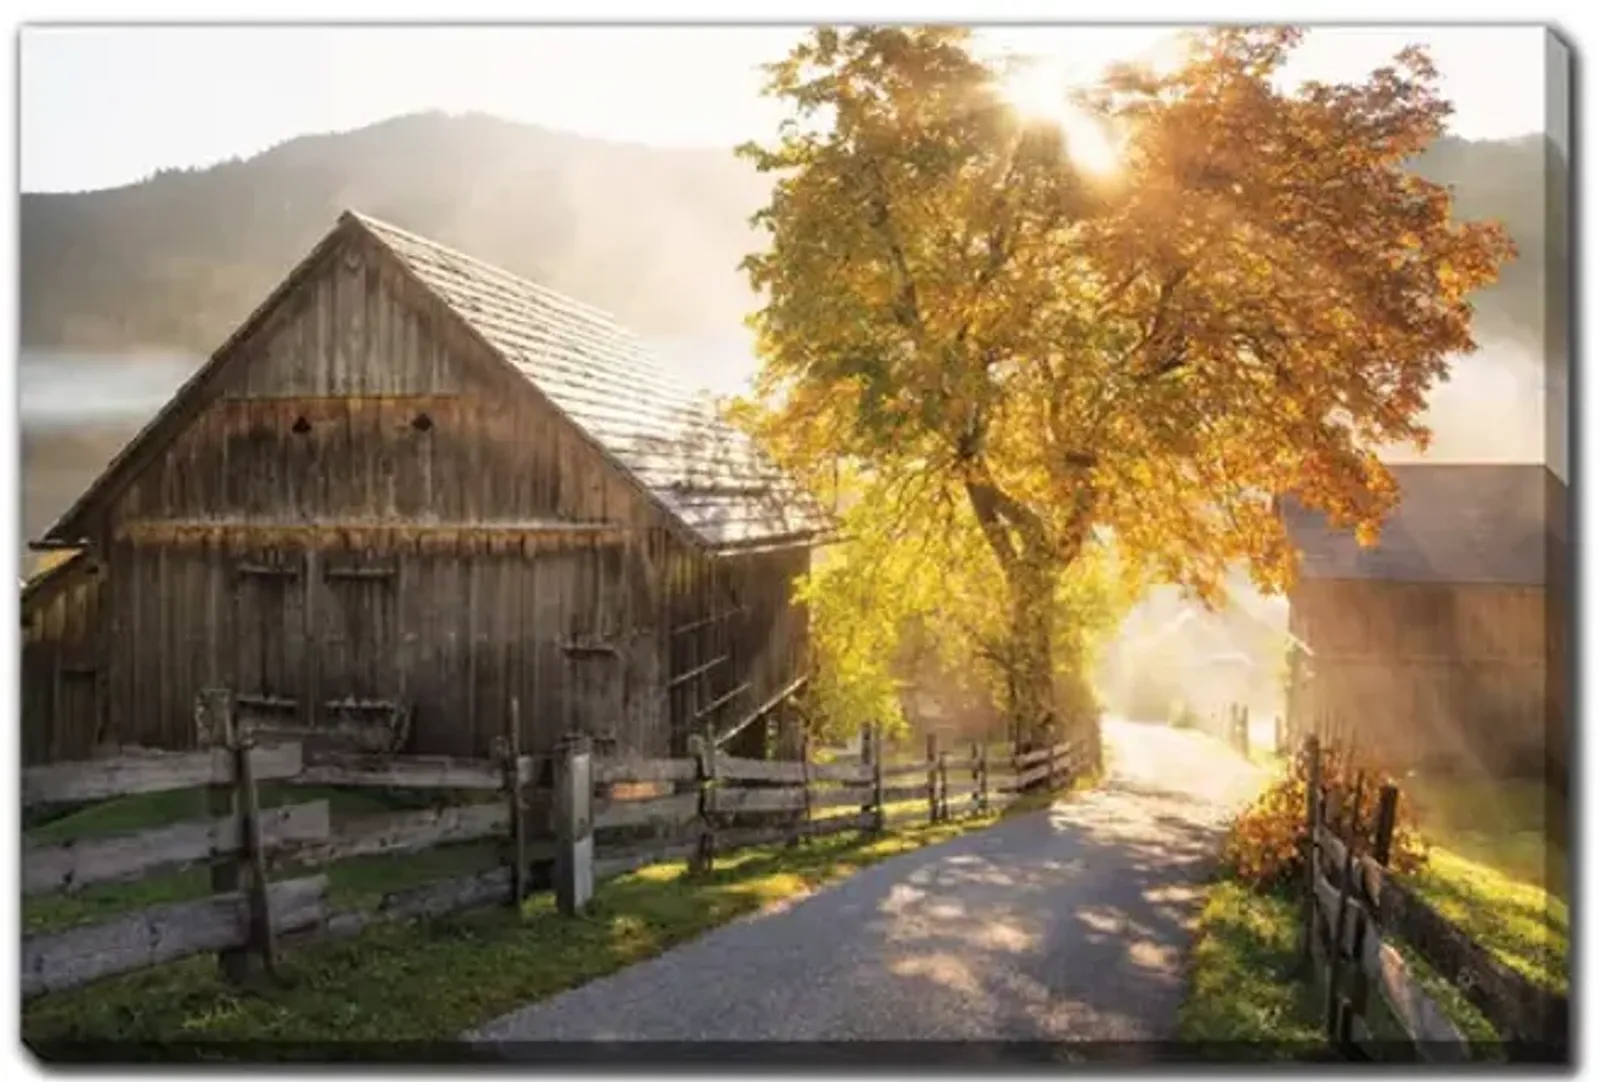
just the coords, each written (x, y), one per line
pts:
(906, 770)
(955, 790)
(752, 800)
(369, 737)
(698, 670)
(856, 795)
(842, 772)
(121, 857)
(408, 772)
(150, 772)
(626, 860)
(732, 769)
(614, 771)
(1424, 1020)
(893, 794)
(1438, 1039)
(1519, 1009)
(1026, 759)
(670, 810)
(161, 934)
(1030, 777)
(409, 832)
(720, 701)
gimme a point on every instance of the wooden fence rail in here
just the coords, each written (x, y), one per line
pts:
(570, 814)
(1346, 943)
(1351, 889)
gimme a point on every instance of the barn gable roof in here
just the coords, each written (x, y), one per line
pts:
(1458, 523)
(705, 474)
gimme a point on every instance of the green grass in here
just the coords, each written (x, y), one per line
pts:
(1248, 997)
(1498, 869)
(1515, 827)
(1245, 999)
(434, 979)
(1519, 923)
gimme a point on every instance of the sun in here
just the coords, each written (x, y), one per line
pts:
(1041, 92)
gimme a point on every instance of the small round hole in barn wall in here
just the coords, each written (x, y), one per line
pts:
(422, 422)
(301, 426)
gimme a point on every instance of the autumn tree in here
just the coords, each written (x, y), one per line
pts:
(1258, 298)
(914, 570)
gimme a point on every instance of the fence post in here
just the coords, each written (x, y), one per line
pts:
(983, 778)
(933, 777)
(252, 847)
(1313, 812)
(1244, 729)
(1338, 1003)
(574, 863)
(944, 786)
(1383, 834)
(878, 817)
(866, 761)
(805, 788)
(1280, 738)
(214, 729)
(705, 758)
(511, 752)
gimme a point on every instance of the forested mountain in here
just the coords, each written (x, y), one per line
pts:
(654, 235)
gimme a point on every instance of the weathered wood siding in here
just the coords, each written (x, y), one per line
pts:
(357, 400)
(455, 629)
(63, 671)
(1428, 675)
(361, 509)
(737, 636)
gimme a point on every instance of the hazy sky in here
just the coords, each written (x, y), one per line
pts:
(106, 106)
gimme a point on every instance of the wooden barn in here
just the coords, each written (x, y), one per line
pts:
(1444, 646)
(410, 489)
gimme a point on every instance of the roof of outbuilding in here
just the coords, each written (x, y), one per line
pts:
(1491, 523)
(669, 436)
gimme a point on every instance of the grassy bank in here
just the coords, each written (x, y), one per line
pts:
(1498, 869)
(430, 980)
(1245, 999)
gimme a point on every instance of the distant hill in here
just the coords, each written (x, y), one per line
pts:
(654, 235)
(176, 261)
(1505, 180)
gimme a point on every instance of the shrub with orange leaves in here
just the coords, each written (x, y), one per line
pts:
(1266, 843)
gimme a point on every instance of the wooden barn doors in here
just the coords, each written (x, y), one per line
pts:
(269, 634)
(315, 637)
(355, 633)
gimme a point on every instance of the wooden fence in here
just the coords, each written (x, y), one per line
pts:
(1356, 913)
(574, 817)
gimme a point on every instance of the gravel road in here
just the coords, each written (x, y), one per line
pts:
(1066, 925)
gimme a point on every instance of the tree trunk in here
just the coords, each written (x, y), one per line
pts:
(1031, 708)
(1032, 566)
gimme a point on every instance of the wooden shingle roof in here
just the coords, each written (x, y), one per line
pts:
(702, 470)
(1454, 523)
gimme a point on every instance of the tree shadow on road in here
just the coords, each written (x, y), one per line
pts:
(1071, 924)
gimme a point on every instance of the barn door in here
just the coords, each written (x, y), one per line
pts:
(596, 649)
(269, 634)
(359, 676)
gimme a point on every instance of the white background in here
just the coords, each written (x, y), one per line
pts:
(1578, 25)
